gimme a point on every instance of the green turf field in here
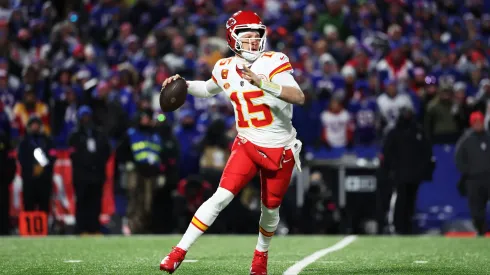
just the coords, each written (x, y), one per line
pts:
(232, 255)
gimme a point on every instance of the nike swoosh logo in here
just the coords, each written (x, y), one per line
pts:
(287, 160)
(282, 57)
(262, 154)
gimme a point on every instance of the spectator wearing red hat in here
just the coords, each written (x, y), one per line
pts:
(473, 161)
(478, 59)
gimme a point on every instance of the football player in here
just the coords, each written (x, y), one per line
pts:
(262, 90)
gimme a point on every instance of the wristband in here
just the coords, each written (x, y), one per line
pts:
(272, 88)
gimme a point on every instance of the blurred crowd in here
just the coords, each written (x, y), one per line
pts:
(87, 74)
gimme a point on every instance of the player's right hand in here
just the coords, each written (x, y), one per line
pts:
(170, 79)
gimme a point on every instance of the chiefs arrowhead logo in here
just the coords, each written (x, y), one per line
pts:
(230, 23)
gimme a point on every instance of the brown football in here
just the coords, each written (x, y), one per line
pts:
(173, 95)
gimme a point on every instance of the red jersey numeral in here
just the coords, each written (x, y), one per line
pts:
(252, 108)
(268, 54)
(242, 123)
(225, 61)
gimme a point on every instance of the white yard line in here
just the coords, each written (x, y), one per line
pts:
(73, 261)
(190, 261)
(299, 266)
(420, 262)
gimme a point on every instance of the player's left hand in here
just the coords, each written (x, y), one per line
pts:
(251, 76)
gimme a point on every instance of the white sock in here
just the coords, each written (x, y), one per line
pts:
(205, 216)
(269, 219)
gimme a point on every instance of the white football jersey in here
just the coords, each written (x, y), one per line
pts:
(261, 118)
(389, 108)
(335, 127)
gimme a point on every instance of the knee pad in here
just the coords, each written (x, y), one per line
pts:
(269, 211)
(221, 198)
(269, 218)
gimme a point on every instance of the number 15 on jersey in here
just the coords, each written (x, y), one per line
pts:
(246, 105)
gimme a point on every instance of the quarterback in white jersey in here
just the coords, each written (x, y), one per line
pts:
(262, 90)
(261, 117)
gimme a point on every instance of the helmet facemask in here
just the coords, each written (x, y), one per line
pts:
(240, 31)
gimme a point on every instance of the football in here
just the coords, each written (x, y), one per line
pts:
(173, 95)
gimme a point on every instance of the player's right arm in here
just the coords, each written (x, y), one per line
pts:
(281, 83)
(198, 88)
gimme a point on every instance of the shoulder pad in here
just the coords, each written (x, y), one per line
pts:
(279, 63)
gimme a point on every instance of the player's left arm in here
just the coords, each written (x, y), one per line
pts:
(282, 85)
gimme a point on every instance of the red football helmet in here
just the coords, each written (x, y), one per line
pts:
(243, 21)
